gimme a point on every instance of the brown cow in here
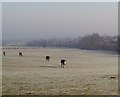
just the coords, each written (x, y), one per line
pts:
(4, 53)
(47, 58)
(20, 54)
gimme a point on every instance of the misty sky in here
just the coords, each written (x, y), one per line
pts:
(58, 20)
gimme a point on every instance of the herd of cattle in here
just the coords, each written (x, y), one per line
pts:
(62, 61)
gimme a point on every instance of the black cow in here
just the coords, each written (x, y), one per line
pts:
(20, 54)
(4, 53)
(63, 63)
(47, 58)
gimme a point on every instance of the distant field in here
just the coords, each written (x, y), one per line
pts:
(86, 73)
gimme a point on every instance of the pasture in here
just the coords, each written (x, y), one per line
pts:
(86, 72)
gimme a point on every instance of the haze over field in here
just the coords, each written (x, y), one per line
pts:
(58, 30)
(58, 20)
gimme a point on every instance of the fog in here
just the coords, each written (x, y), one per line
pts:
(58, 20)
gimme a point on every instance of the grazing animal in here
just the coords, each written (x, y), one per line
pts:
(63, 63)
(4, 53)
(47, 58)
(20, 54)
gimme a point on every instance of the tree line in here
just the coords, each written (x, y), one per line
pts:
(90, 42)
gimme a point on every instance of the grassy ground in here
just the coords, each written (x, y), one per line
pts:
(86, 73)
(0, 71)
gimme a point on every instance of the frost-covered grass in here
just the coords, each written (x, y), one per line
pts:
(86, 73)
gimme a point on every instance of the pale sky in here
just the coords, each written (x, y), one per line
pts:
(58, 20)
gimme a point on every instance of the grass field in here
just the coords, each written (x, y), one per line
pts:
(86, 73)
(0, 71)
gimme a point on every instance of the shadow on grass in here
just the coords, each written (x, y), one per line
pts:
(50, 66)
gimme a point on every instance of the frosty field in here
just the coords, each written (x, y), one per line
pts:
(86, 73)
